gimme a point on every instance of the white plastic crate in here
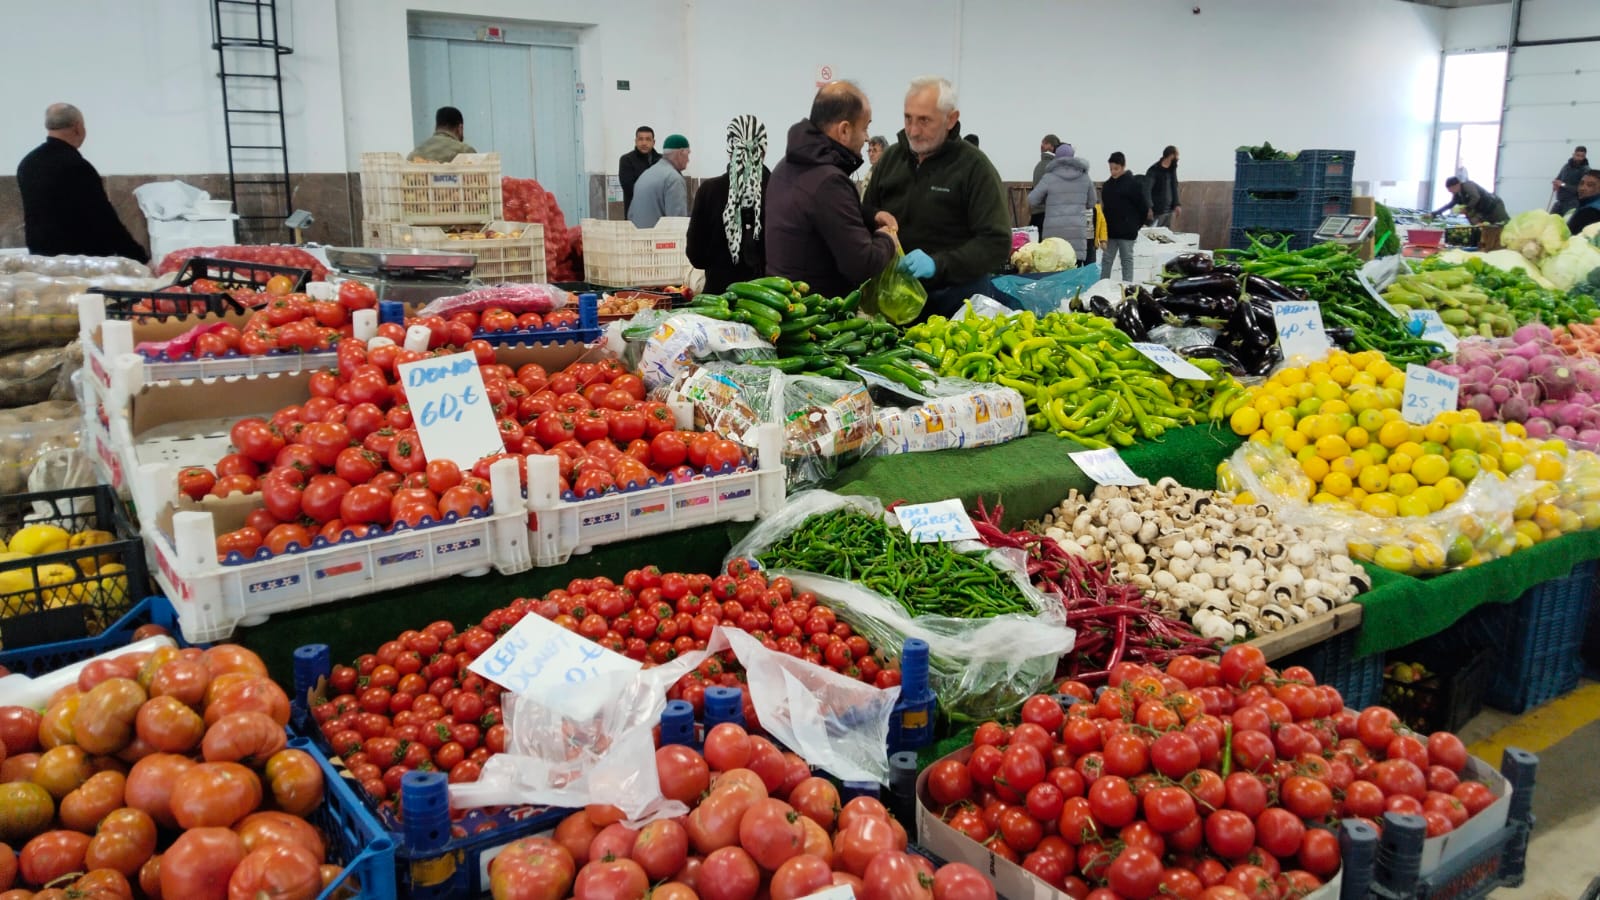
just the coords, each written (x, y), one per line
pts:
(212, 599)
(617, 254)
(462, 191)
(561, 528)
(516, 259)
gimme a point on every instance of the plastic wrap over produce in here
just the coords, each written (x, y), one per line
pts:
(38, 310)
(966, 414)
(74, 266)
(1546, 496)
(597, 745)
(684, 339)
(979, 668)
(29, 434)
(826, 422)
(37, 375)
(516, 298)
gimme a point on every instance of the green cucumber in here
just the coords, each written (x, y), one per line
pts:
(763, 296)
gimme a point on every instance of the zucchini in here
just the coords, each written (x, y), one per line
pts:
(772, 283)
(765, 297)
(759, 312)
(796, 326)
(789, 365)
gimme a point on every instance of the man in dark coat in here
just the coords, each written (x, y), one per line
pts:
(1123, 201)
(1588, 211)
(636, 161)
(65, 209)
(1161, 188)
(725, 228)
(818, 231)
(1566, 181)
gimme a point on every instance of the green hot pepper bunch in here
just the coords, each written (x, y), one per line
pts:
(925, 579)
(1327, 273)
(1078, 374)
(815, 335)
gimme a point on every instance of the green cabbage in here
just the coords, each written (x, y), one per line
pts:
(1573, 264)
(1050, 255)
(1535, 234)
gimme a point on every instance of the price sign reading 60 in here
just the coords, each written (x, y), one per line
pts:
(453, 418)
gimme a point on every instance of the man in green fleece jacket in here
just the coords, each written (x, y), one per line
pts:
(947, 197)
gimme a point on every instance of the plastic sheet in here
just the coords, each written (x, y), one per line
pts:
(26, 440)
(979, 668)
(37, 375)
(74, 266)
(517, 298)
(38, 310)
(681, 340)
(1051, 293)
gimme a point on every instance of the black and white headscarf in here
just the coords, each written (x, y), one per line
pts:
(747, 154)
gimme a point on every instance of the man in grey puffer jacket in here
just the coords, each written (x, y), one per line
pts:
(1067, 194)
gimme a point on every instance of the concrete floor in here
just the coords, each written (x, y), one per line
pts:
(1564, 854)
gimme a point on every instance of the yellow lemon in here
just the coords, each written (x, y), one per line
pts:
(1327, 425)
(1432, 496)
(1332, 446)
(1362, 379)
(1315, 467)
(1360, 550)
(1395, 381)
(1371, 419)
(1335, 407)
(1277, 418)
(1546, 516)
(1400, 461)
(1307, 424)
(1346, 465)
(1460, 551)
(1363, 459)
(1554, 445)
(1356, 496)
(1356, 437)
(1450, 488)
(1276, 435)
(1293, 441)
(1342, 374)
(1471, 415)
(1510, 461)
(1393, 433)
(1245, 420)
(1290, 376)
(1337, 484)
(1412, 449)
(1466, 466)
(1402, 483)
(1303, 390)
(1260, 437)
(1328, 390)
(1548, 467)
(1414, 505)
(1433, 447)
(1374, 479)
(1428, 556)
(1244, 498)
(1264, 403)
(1381, 505)
(1393, 558)
(1380, 453)
(1380, 368)
(1530, 529)
(1524, 507)
(1463, 437)
(1323, 498)
(1515, 429)
(1430, 468)
(1448, 418)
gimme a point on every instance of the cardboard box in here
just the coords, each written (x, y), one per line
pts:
(1439, 850)
(1365, 206)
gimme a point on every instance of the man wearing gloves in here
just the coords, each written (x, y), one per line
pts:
(947, 197)
(819, 232)
(661, 190)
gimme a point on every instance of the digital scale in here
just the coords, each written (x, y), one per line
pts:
(409, 276)
(1345, 229)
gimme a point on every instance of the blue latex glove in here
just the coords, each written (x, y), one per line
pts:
(919, 264)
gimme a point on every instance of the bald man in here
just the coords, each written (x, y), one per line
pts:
(65, 209)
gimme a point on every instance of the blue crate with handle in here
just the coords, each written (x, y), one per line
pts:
(355, 840)
(45, 658)
(1297, 210)
(1330, 170)
(1541, 638)
(1333, 662)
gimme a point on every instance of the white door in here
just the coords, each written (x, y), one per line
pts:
(1551, 105)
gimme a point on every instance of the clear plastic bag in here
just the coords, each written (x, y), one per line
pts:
(74, 266)
(958, 414)
(827, 422)
(37, 375)
(682, 340)
(895, 294)
(38, 310)
(517, 298)
(24, 443)
(979, 668)
(1051, 293)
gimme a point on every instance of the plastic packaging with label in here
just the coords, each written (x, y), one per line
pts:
(963, 414)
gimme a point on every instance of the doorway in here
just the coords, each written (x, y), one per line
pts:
(518, 97)
(1467, 126)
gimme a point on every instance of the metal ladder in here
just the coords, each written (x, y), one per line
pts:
(250, 66)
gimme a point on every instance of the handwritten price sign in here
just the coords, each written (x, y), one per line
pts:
(453, 419)
(1300, 329)
(946, 520)
(539, 657)
(1171, 362)
(1106, 467)
(1428, 393)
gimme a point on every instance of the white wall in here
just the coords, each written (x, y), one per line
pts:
(1477, 27)
(144, 75)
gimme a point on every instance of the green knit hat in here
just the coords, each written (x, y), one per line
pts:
(675, 142)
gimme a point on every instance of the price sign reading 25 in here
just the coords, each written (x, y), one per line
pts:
(454, 420)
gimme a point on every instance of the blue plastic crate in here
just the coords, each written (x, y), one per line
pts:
(1299, 238)
(1542, 635)
(1333, 662)
(45, 658)
(1298, 210)
(1330, 170)
(353, 836)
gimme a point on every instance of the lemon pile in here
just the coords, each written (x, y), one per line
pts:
(1340, 420)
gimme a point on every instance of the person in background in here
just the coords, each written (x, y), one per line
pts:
(1047, 155)
(1067, 194)
(65, 209)
(1588, 211)
(661, 191)
(875, 147)
(1123, 202)
(947, 197)
(1480, 206)
(1161, 188)
(725, 236)
(635, 162)
(1566, 181)
(818, 231)
(446, 142)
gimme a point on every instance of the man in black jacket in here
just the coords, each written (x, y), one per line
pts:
(65, 209)
(817, 230)
(636, 161)
(1161, 188)
(1123, 202)
(1566, 181)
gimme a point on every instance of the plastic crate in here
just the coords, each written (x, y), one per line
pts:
(1296, 210)
(618, 253)
(500, 259)
(1299, 238)
(1330, 170)
(1449, 697)
(36, 661)
(229, 273)
(64, 595)
(1541, 634)
(354, 838)
(1333, 662)
(463, 191)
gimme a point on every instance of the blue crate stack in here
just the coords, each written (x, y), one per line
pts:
(1289, 196)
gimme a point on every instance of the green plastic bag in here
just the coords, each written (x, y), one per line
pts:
(897, 296)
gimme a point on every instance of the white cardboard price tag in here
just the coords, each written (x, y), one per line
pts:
(945, 520)
(1300, 330)
(837, 892)
(539, 657)
(1106, 467)
(1427, 394)
(1171, 362)
(1433, 329)
(447, 401)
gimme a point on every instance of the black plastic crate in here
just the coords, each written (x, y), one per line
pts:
(1296, 210)
(1542, 633)
(72, 592)
(1299, 238)
(1329, 170)
(1333, 662)
(46, 658)
(230, 274)
(1451, 694)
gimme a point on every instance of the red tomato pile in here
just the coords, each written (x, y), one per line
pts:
(461, 326)
(348, 463)
(286, 323)
(292, 257)
(760, 825)
(525, 200)
(1207, 774)
(165, 770)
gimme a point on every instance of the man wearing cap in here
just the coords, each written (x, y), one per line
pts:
(661, 190)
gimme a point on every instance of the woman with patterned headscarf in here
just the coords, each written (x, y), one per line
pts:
(725, 237)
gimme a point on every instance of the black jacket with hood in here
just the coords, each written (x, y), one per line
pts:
(817, 229)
